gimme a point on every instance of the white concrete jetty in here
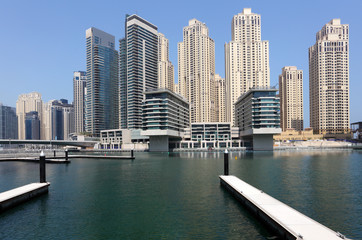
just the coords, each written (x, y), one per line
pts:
(289, 223)
(18, 195)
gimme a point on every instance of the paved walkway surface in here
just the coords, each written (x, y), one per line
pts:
(290, 219)
(4, 196)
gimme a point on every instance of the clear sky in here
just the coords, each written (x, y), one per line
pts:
(42, 42)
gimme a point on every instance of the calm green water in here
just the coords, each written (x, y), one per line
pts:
(178, 196)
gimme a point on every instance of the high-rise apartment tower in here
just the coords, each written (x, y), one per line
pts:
(246, 58)
(196, 71)
(220, 98)
(79, 91)
(165, 67)
(291, 98)
(329, 80)
(8, 122)
(102, 98)
(30, 102)
(138, 68)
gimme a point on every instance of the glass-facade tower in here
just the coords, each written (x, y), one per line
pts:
(138, 68)
(102, 97)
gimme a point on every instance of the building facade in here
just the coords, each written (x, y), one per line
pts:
(196, 71)
(165, 67)
(220, 98)
(246, 58)
(165, 115)
(8, 122)
(32, 126)
(139, 68)
(102, 97)
(211, 135)
(291, 98)
(79, 91)
(294, 135)
(27, 103)
(329, 80)
(123, 83)
(257, 114)
(58, 120)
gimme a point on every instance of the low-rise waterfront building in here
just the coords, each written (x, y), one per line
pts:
(357, 130)
(291, 134)
(257, 114)
(165, 115)
(211, 135)
(124, 139)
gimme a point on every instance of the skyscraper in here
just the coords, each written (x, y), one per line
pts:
(79, 91)
(291, 98)
(27, 103)
(138, 68)
(8, 122)
(329, 80)
(102, 98)
(58, 119)
(32, 126)
(165, 67)
(123, 83)
(246, 58)
(220, 98)
(196, 71)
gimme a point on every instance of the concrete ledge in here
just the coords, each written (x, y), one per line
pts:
(101, 157)
(22, 194)
(286, 221)
(56, 160)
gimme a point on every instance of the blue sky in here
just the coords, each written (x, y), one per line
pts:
(42, 42)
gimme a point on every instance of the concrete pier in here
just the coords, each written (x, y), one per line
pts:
(56, 160)
(289, 223)
(102, 157)
(22, 194)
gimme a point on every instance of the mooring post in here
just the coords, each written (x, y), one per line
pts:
(42, 167)
(66, 154)
(55, 154)
(132, 153)
(226, 162)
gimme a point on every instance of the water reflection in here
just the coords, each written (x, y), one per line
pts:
(178, 195)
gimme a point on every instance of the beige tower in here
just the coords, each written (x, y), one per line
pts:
(27, 103)
(220, 98)
(329, 80)
(246, 59)
(165, 67)
(196, 71)
(291, 98)
(176, 88)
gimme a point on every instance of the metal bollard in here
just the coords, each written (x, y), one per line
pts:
(226, 162)
(132, 153)
(55, 154)
(66, 155)
(42, 167)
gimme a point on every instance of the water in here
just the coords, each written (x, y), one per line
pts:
(178, 196)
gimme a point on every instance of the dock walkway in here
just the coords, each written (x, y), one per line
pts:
(18, 195)
(36, 160)
(290, 223)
